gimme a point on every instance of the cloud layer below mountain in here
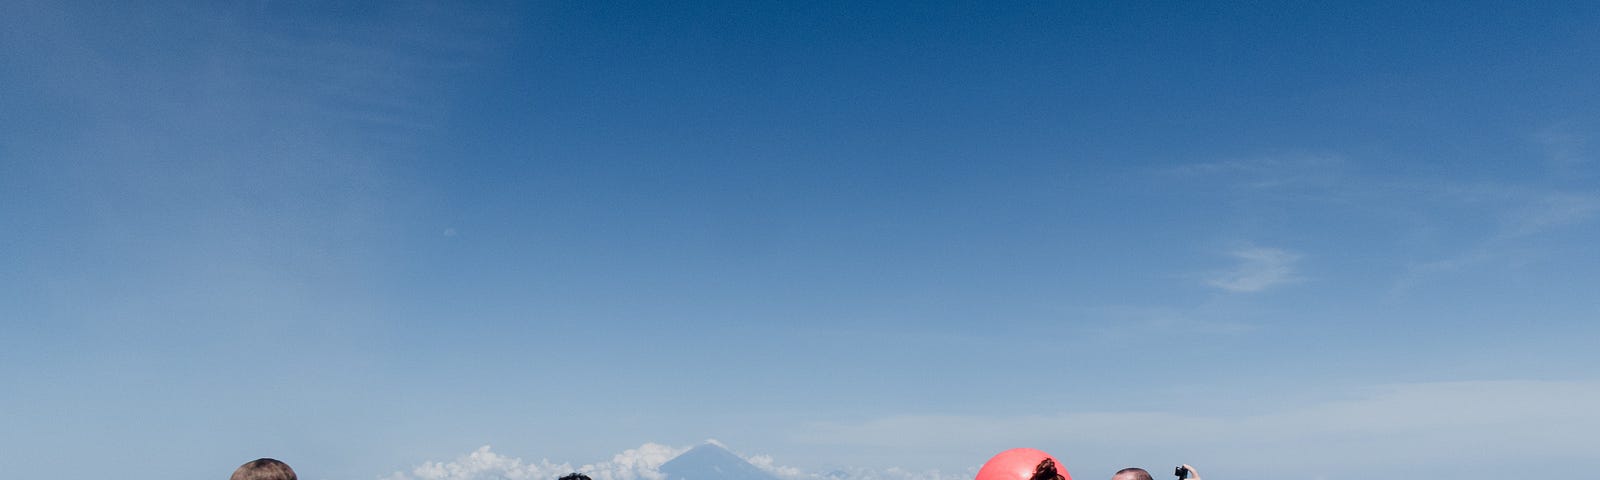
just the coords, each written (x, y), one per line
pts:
(643, 463)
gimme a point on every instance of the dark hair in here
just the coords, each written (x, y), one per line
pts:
(1138, 473)
(264, 469)
(1046, 471)
(575, 476)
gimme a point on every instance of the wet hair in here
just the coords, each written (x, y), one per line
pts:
(264, 469)
(1138, 473)
(1046, 471)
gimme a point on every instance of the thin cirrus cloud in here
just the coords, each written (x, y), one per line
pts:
(1564, 147)
(1550, 211)
(1520, 216)
(1258, 269)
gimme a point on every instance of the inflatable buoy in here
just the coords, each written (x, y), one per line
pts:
(1020, 464)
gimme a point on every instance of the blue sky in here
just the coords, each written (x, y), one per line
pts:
(1323, 240)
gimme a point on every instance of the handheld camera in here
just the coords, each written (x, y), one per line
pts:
(1181, 472)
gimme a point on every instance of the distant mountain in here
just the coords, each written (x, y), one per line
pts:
(712, 462)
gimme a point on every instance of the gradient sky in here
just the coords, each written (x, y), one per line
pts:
(1308, 239)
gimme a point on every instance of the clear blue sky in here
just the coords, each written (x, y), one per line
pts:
(1312, 239)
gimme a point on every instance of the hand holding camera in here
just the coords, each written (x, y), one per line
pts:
(1186, 472)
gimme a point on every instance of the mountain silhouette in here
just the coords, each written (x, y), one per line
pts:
(712, 462)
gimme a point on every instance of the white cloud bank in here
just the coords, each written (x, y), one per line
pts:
(643, 463)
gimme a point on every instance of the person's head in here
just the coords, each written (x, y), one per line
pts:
(264, 469)
(1046, 470)
(1132, 473)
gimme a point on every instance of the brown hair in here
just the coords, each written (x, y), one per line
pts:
(1046, 471)
(264, 469)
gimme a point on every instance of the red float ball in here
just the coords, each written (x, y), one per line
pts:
(1018, 464)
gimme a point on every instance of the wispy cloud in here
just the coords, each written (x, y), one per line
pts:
(1520, 215)
(1443, 224)
(1549, 211)
(1259, 268)
(1564, 147)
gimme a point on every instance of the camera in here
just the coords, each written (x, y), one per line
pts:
(1181, 472)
